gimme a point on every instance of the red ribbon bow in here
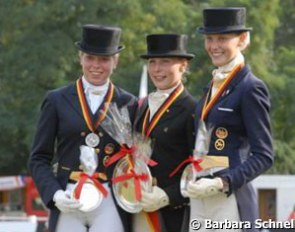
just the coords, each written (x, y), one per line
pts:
(83, 179)
(124, 150)
(137, 179)
(190, 159)
(152, 163)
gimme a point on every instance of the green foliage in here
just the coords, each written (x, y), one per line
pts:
(38, 53)
(284, 159)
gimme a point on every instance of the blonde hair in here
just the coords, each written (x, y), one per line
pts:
(246, 41)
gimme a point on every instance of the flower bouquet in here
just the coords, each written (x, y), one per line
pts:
(131, 174)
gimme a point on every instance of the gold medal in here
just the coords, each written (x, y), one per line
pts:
(219, 144)
(221, 132)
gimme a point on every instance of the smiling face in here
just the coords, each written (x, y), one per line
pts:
(166, 73)
(222, 48)
(97, 69)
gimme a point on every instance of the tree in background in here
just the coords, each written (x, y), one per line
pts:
(38, 53)
(282, 91)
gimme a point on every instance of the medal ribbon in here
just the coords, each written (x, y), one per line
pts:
(137, 179)
(154, 221)
(209, 104)
(83, 179)
(108, 98)
(147, 129)
(190, 159)
(153, 217)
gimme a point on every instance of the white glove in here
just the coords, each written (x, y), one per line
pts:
(155, 200)
(64, 202)
(204, 187)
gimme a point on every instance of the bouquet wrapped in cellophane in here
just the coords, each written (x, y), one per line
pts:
(88, 190)
(131, 174)
(201, 149)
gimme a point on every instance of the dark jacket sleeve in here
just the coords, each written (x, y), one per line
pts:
(255, 115)
(43, 152)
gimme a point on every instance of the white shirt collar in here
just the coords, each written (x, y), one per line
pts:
(157, 98)
(221, 72)
(99, 88)
(167, 91)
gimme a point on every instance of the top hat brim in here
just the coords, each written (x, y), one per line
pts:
(99, 51)
(187, 56)
(222, 30)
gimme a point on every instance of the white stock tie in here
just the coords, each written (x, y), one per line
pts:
(220, 74)
(156, 99)
(95, 98)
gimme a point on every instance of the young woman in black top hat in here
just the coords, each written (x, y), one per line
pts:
(236, 103)
(70, 117)
(166, 116)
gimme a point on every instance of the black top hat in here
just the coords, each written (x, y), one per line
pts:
(100, 40)
(167, 45)
(224, 20)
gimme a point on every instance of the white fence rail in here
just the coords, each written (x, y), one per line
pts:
(18, 224)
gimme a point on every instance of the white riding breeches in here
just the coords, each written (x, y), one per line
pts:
(218, 209)
(105, 218)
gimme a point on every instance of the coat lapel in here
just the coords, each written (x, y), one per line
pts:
(227, 92)
(172, 110)
(232, 85)
(71, 97)
(140, 110)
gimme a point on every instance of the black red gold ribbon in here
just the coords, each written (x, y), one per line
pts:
(154, 221)
(209, 104)
(153, 217)
(148, 127)
(205, 110)
(83, 103)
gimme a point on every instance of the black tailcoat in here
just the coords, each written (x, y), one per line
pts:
(173, 141)
(243, 112)
(61, 130)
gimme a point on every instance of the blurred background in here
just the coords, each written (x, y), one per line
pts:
(37, 53)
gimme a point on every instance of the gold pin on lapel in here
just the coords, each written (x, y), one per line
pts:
(221, 132)
(219, 144)
(109, 148)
